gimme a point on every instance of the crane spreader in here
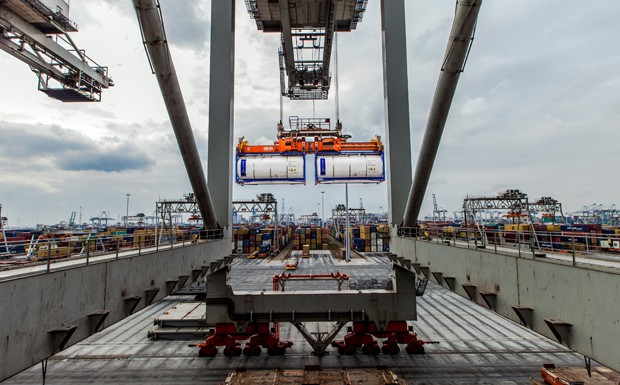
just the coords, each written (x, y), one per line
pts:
(337, 160)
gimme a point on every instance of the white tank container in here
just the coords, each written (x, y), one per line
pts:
(350, 168)
(270, 169)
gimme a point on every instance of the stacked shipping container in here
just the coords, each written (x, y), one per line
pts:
(585, 237)
(249, 239)
(370, 238)
(315, 237)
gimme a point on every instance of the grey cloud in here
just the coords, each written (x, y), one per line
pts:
(69, 150)
(186, 21)
(118, 159)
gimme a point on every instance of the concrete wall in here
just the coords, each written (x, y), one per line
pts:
(34, 305)
(587, 297)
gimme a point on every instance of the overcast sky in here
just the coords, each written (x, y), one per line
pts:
(536, 109)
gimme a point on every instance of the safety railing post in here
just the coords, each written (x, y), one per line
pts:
(519, 242)
(88, 253)
(495, 240)
(139, 247)
(467, 235)
(572, 239)
(49, 255)
(118, 245)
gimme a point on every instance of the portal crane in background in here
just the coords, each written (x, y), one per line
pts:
(438, 214)
(37, 33)
(598, 214)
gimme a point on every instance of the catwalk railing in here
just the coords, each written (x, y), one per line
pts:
(84, 249)
(525, 243)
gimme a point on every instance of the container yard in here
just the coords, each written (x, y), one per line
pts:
(539, 225)
(23, 247)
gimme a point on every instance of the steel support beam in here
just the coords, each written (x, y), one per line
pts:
(154, 36)
(319, 343)
(15, 50)
(396, 93)
(221, 108)
(330, 29)
(455, 58)
(287, 41)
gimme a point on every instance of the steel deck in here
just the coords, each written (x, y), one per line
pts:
(476, 345)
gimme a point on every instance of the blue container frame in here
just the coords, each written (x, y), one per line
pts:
(319, 180)
(266, 180)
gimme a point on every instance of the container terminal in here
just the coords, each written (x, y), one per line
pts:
(348, 301)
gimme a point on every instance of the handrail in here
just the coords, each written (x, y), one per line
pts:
(575, 243)
(51, 248)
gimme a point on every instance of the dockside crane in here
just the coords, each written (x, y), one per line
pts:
(37, 33)
(307, 30)
(438, 213)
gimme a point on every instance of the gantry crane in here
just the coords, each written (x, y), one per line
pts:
(247, 316)
(307, 29)
(438, 213)
(37, 33)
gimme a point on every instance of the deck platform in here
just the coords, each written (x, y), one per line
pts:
(475, 344)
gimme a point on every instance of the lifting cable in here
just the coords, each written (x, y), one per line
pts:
(336, 76)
